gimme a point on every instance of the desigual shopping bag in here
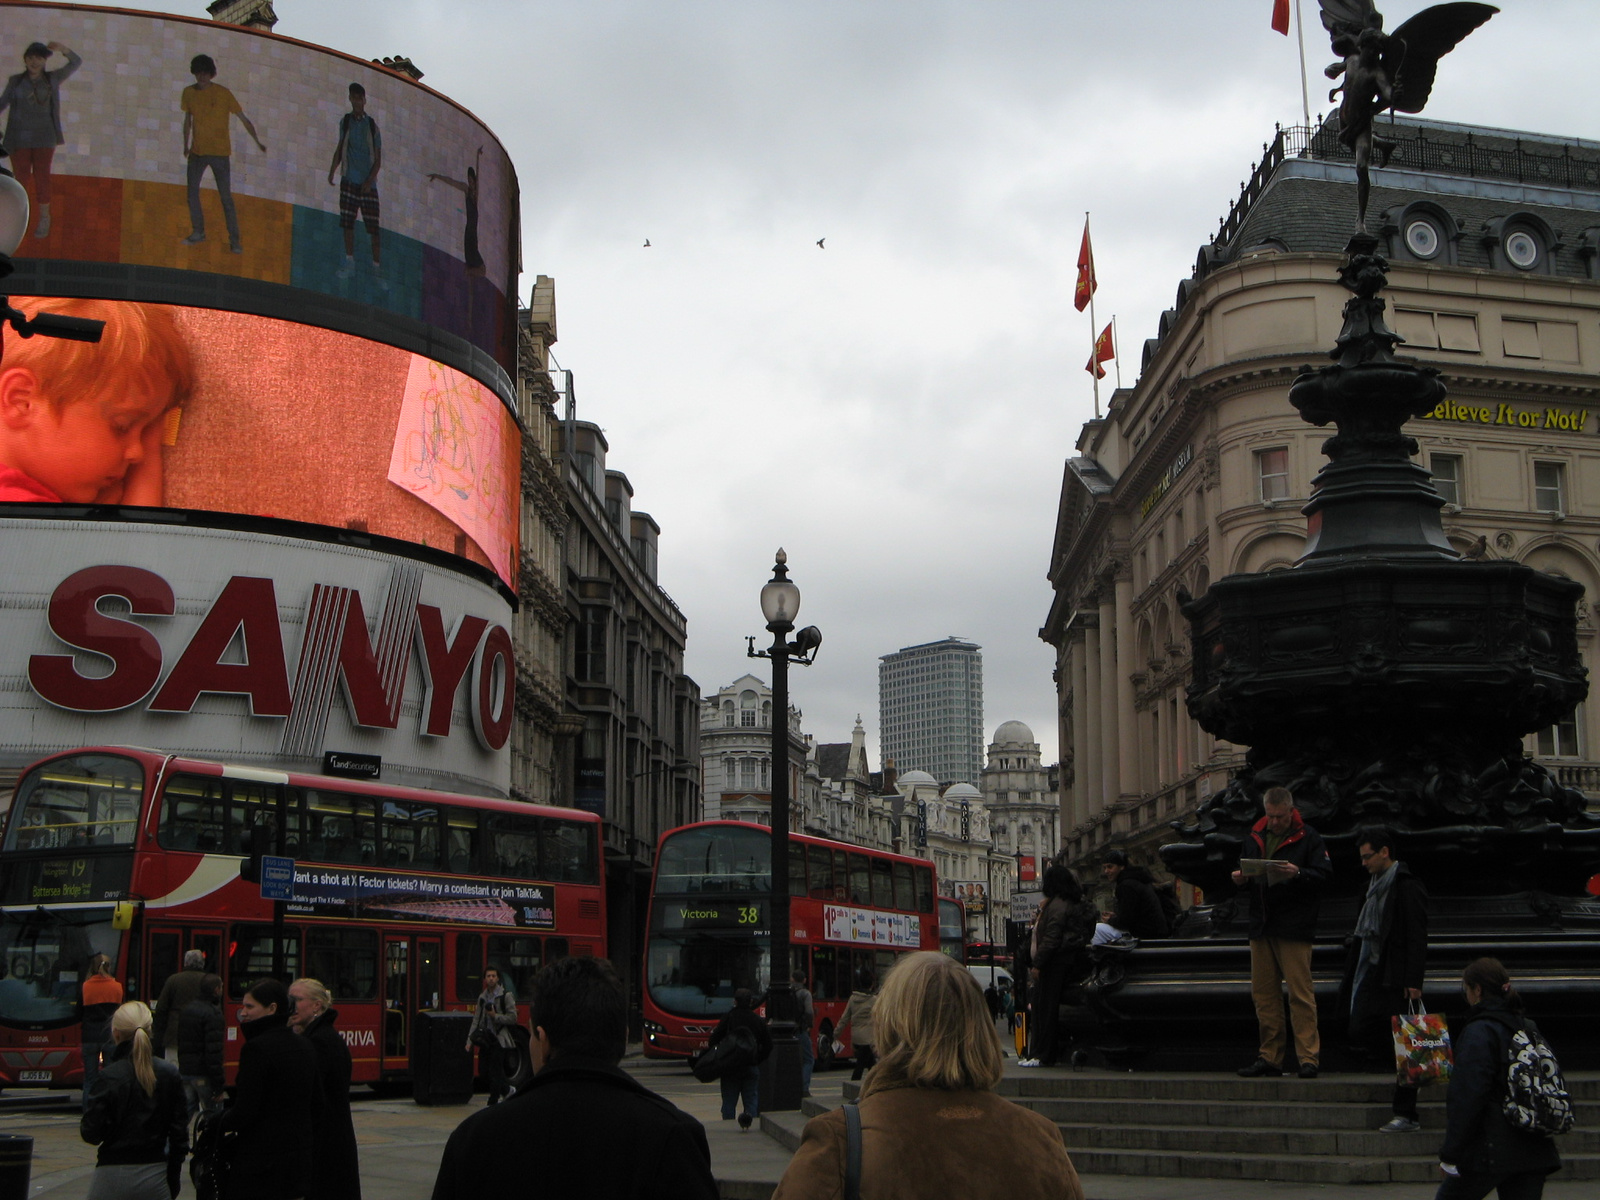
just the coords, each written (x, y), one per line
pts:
(1421, 1048)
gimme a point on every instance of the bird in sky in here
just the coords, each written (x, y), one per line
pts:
(820, 246)
(647, 243)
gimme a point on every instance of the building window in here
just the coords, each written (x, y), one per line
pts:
(1447, 477)
(1522, 249)
(1549, 487)
(1561, 739)
(1272, 469)
(590, 659)
(1423, 238)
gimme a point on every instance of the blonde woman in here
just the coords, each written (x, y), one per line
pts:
(336, 1165)
(931, 1124)
(137, 1116)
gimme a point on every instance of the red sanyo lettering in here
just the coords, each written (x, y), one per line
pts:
(246, 612)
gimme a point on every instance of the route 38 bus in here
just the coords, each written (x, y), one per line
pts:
(401, 897)
(852, 911)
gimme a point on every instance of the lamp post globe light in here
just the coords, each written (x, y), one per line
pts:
(780, 603)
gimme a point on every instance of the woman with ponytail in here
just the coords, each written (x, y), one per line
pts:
(137, 1116)
(1482, 1150)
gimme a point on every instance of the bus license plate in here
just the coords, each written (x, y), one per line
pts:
(34, 1076)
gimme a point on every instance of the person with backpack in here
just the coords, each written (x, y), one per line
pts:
(742, 1074)
(360, 153)
(1493, 1111)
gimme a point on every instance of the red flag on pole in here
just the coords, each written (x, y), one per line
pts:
(1086, 280)
(1103, 352)
(1280, 16)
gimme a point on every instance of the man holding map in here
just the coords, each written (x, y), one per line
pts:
(1282, 872)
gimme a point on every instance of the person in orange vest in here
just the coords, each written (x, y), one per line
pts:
(101, 996)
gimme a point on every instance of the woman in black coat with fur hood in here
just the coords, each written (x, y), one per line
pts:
(276, 1099)
(336, 1165)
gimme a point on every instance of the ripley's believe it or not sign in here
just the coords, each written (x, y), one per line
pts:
(1498, 412)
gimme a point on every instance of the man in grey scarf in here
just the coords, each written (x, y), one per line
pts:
(1388, 955)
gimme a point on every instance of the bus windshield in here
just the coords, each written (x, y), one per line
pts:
(77, 803)
(694, 974)
(715, 859)
(45, 956)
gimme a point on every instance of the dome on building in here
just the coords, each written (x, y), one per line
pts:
(962, 791)
(1013, 732)
(918, 778)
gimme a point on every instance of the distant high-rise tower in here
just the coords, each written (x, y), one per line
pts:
(930, 708)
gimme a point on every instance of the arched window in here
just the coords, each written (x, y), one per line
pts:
(747, 710)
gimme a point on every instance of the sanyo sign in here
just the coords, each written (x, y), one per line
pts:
(256, 647)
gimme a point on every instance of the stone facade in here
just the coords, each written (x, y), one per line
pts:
(1024, 814)
(1201, 468)
(736, 753)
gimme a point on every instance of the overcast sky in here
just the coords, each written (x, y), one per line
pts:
(893, 409)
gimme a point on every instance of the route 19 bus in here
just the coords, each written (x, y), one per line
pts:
(401, 897)
(852, 911)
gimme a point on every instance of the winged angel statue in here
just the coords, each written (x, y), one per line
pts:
(1387, 70)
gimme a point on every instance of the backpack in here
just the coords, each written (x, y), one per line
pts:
(733, 1055)
(1536, 1094)
(1171, 910)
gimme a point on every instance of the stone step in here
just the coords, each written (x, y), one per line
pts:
(1065, 1083)
(1279, 1169)
(785, 1128)
(1309, 1142)
(1252, 1115)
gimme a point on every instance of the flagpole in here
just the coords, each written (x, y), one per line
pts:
(1305, 92)
(1116, 354)
(1093, 325)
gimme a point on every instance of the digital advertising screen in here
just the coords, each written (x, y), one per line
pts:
(182, 143)
(212, 410)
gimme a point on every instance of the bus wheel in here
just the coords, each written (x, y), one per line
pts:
(517, 1061)
(825, 1046)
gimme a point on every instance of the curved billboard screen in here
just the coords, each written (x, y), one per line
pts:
(183, 143)
(211, 410)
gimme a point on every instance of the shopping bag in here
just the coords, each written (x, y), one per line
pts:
(1421, 1048)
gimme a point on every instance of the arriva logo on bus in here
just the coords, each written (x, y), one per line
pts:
(238, 649)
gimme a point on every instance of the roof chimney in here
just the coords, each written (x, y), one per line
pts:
(252, 14)
(401, 65)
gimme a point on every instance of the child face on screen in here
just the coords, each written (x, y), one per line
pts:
(85, 449)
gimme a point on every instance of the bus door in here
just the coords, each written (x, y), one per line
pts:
(413, 981)
(164, 958)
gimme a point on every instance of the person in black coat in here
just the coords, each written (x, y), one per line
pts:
(1482, 1150)
(1284, 904)
(336, 1164)
(1138, 911)
(582, 1126)
(746, 1082)
(135, 1113)
(276, 1096)
(1384, 969)
(1064, 926)
(200, 1038)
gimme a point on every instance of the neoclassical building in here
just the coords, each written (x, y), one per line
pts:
(1201, 468)
(736, 753)
(842, 798)
(1024, 813)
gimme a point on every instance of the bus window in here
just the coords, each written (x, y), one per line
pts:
(824, 984)
(860, 879)
(193, 818)
(714, 859)
(518, 960)
(165, 949)
(410, 835)
(340, 828)
(514, 845)
(469, 965)
(568, 851)
(345, 960)
(905, 896)
(797, 868)
(924, 878)
(882, 960)
(461, 841)
(841, 877)
(250, 806)
(555, 948)
(44, 956)
(882, 883)
(864, 972)
(250, 956)
(77, 802)
(820, 885)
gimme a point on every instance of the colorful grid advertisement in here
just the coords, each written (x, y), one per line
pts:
(200, 408)
(184, 143)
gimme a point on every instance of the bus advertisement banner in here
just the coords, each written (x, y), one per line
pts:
(842, 924)
(343, 891)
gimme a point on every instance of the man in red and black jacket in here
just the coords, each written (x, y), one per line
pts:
(1284, 903)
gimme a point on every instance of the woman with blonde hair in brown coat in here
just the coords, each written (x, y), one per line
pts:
(931, 1124)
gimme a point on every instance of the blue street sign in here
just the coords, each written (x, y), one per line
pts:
(277, 878)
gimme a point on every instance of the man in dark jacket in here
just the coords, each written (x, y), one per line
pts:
(1138, 911)
(743, 1080)
(179, 991)
(1388, 955)
(560, 1135)
(1285, 898)
(200, 1036)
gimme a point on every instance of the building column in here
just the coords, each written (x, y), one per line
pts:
(1094, 787)
(1183, 735)
(1128, 747)
(1111, 779)
(1163, 739)
(1079, 809)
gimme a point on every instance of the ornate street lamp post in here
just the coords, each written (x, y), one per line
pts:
(780, 601)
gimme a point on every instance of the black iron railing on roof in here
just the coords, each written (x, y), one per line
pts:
(1490, 157)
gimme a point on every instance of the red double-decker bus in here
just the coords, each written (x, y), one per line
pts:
(400, 897)
(852, 911)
